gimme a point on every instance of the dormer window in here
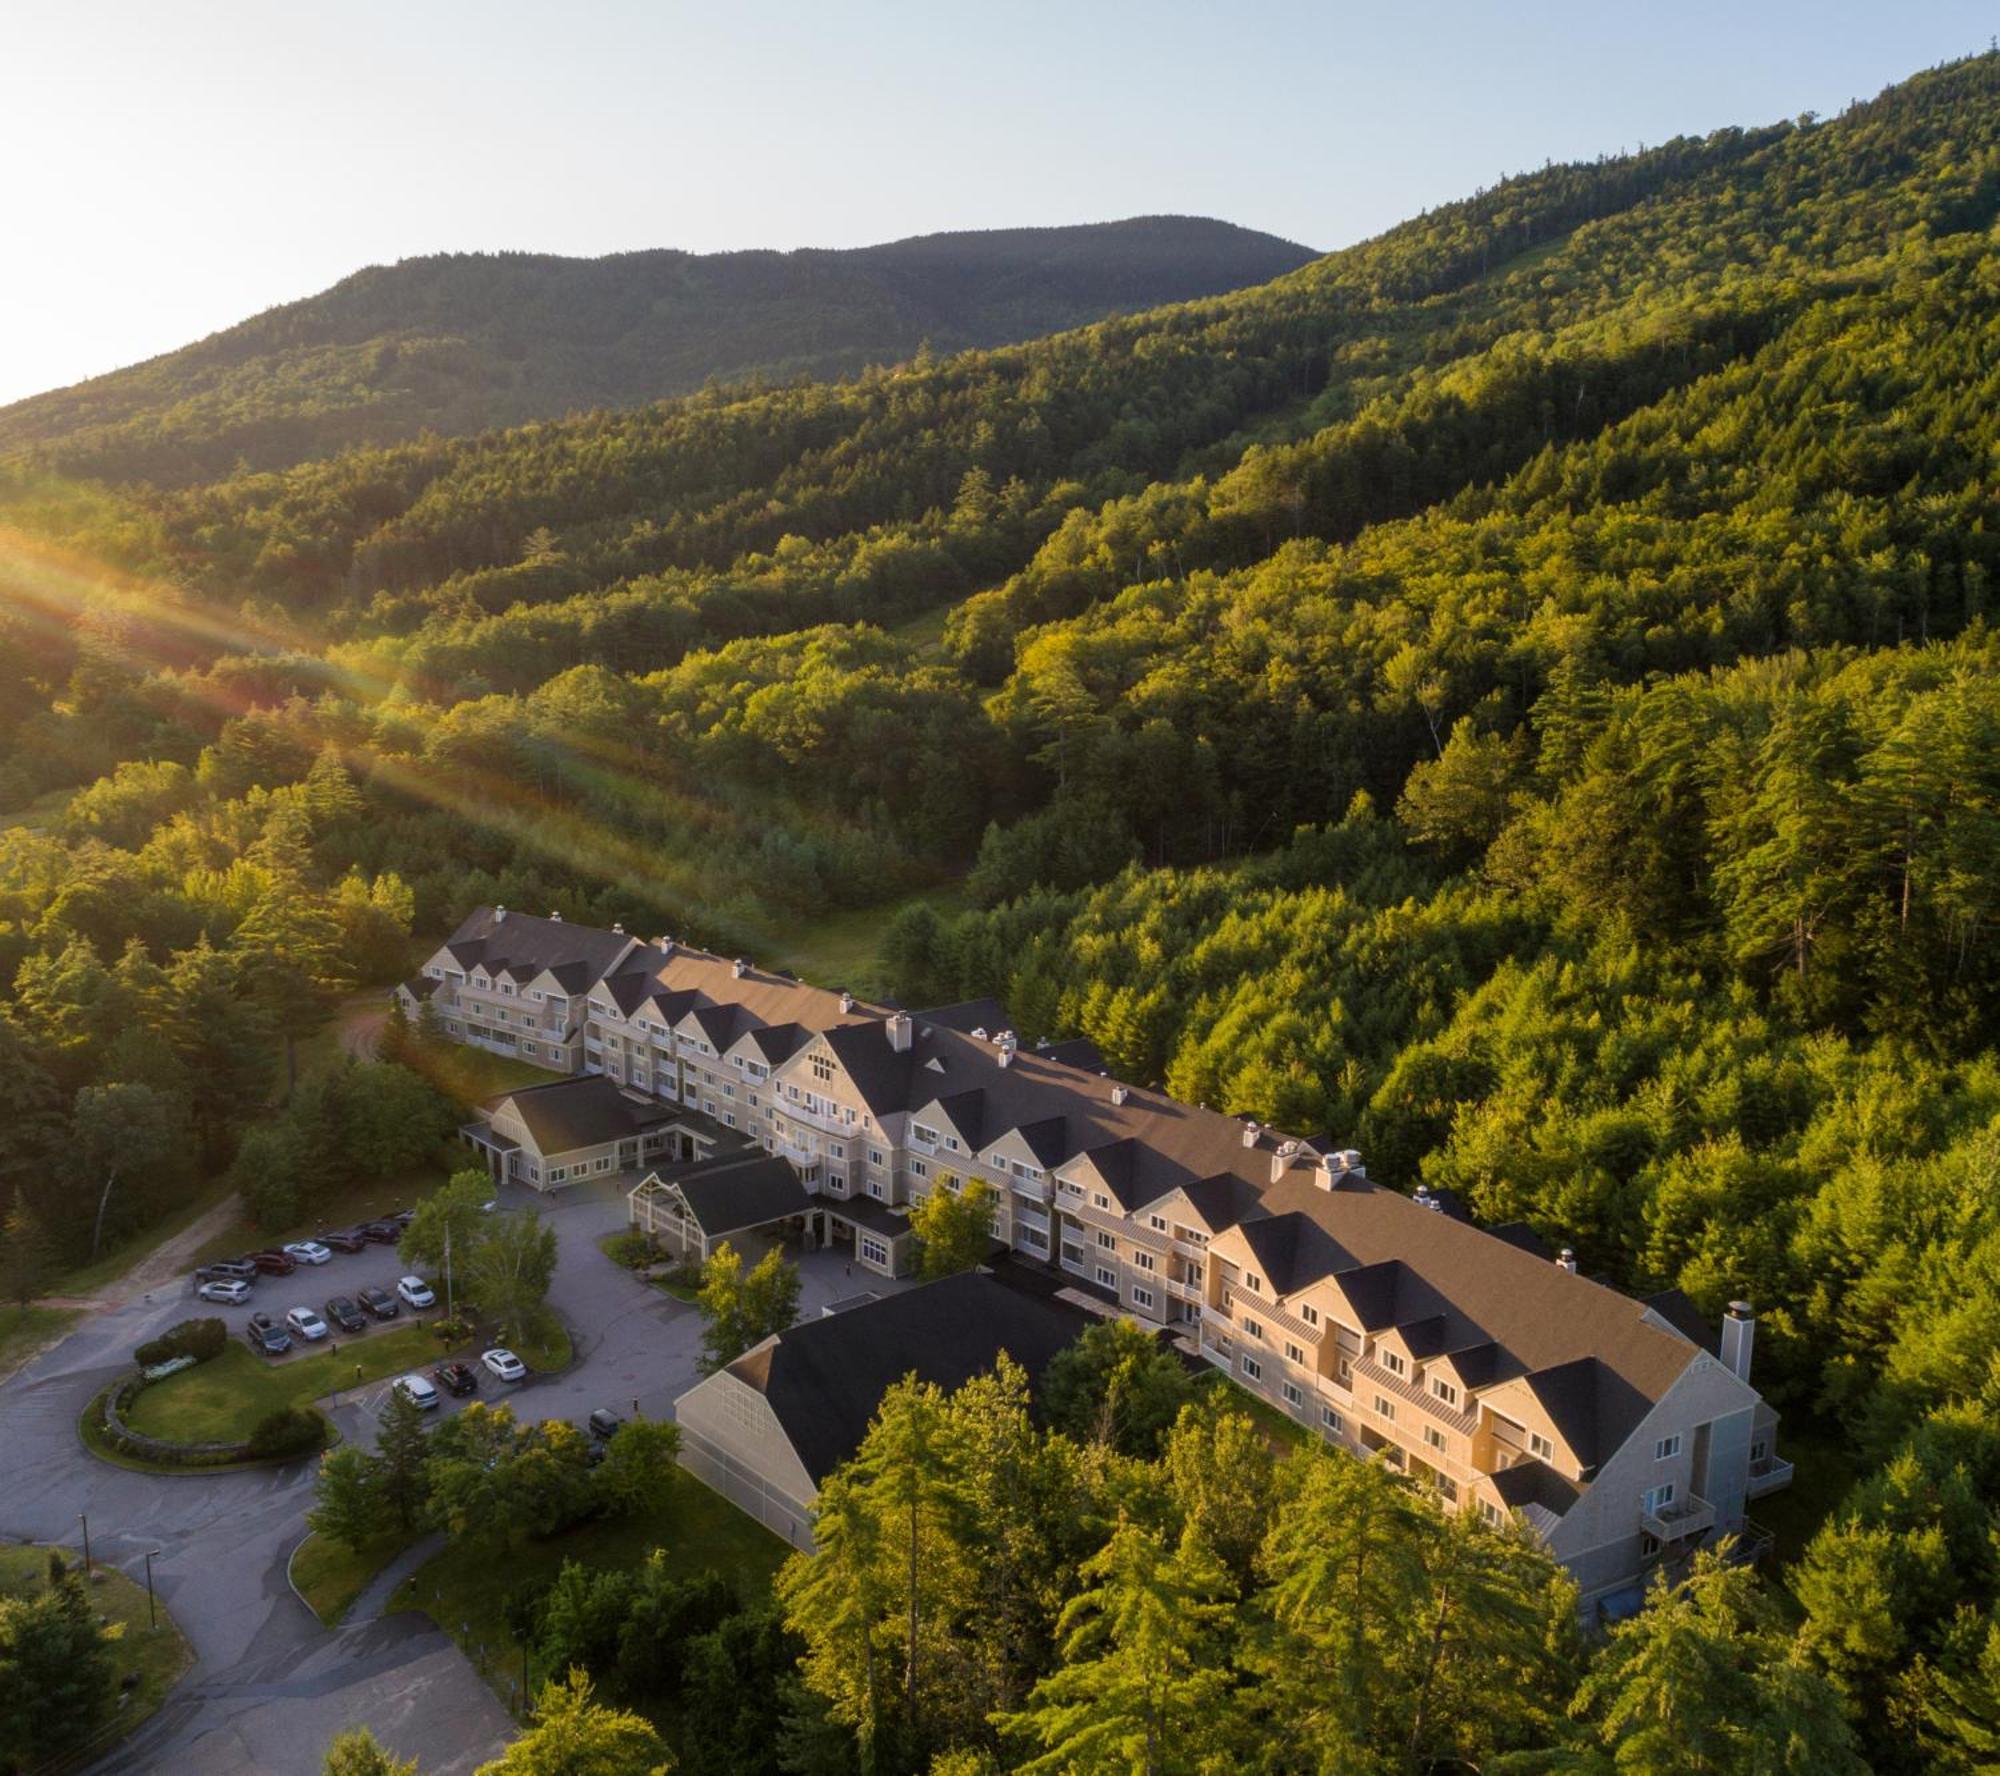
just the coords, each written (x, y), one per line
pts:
(1444, 1390)
(1394, 1362)
(1098, 1200)
(1253, 1282)
(1309, 1314)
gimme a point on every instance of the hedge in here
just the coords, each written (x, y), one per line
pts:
(203, 1340)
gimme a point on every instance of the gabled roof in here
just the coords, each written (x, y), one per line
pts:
(521, 946)
(966, 1112)
(1536, 1483)
(824, 1378)
(777, 1043)
(587, 1111)
(735, 1191)
(1679, 1311)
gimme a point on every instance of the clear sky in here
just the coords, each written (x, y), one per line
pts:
(173, 166)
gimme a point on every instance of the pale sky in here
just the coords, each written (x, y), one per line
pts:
(174, 166)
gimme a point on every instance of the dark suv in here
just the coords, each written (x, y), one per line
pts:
(344, 1314)
(228, 1270)
(383, 1233)
(267, 1336)
(277, 1264)
(456, 1378)
(342, 1240)
(379, 1302)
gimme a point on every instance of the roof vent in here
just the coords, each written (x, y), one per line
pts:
(665, 945)
(499, 915)
(1424, 1200)
(1566, 1260)
(979, 1035)
(1006, 1054)
(1004, 1037)
(617, 929)
(739, 968)
(846, 1000)
(1281, 1161)
(899, 1031)
(1250, 1131)
(1119, 1094)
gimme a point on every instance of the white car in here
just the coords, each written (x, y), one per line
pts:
(416, 1292)
(418, 1391)
(309, 1252)
(307, 1324)
(504, 1364)
(226, 1290)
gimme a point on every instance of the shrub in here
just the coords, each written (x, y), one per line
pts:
(291, 1430)
(451, 1331)
(631, 1248)
(203, 1340)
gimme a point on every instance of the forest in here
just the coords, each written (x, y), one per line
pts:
(1519, 692)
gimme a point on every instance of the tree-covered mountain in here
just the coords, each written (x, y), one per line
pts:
(461, 342)
(1520, 691)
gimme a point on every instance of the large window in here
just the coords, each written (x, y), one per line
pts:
(1253, 1368)
(874, 1251)
(1657, 1498)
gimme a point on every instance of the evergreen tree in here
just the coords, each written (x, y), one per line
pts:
(357, 1753)
(402, 1450)
(575, 1735)
(351, 1505)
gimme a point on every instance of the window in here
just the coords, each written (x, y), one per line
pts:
(835, 1150)
(1098, 1200)
(1158, 1223)
(1309, 1314)
(1106, 1277)
(926, 1135)
(919, 1169)
(1253, 1282)
(822, 1067)
(1144, 1261)
(1489, 1514)
(1436, 1439)
(1385, 1407)
(1394, 1362)
(1657, 1498)
(1253, 1368)
(1033, 1174)
(1345, 1370)
(1294, 1355)
(1141, 1297)
(1447, 1487)
(1760, 1450)
(1538, 1445)
(873, 1251)
(1331, 1420)
(1109, 1241)
(529, 1048)
(875, 1156)
(1292, 1395)
(1445, 1390)
(1251, 1328)
(1666, 1449)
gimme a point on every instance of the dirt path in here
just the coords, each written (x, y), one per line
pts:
(163, 1267)
(361, 1022)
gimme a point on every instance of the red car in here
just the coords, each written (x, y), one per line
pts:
(277, 1264)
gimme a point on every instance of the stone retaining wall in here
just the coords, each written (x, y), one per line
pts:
(118, 1401)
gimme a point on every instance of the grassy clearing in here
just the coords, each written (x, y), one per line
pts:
(471, 1075)
(465, 1589)
(841, 949)
(24, 1330)
(925, 632)
(223, 1401)
(157, 1656)
(330, 1576)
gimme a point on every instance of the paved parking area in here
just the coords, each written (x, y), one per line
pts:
(270, 1687)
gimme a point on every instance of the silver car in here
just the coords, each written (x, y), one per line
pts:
(226, 1291)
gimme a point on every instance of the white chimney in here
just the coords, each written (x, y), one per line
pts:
(617, 930)
(1566, 1260)
(499, 915)
(979, 1035)
(846, 1000)
(1281, 1161)
(899, 1031)
(1119, 1094)
(1739, 1333)
(739, 968)
(1006, 1054)
(1250, 1131)
(665, 945)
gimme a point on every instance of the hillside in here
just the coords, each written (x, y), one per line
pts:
(467, 341)
(1520, 692)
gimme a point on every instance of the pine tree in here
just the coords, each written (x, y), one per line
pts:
(402, 1451)
(575, 1735)
(350, 1504)
(27, 1255)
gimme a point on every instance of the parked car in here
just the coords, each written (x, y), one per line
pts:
(418, 1391)
(266, 1335)
(344, 1239)
(383, 1233)
(457, 1378)
(307, 1324)
(504, 1364)
(227, 1291)
(416, 1292)
(379, 1302)
(604, 1424)
(401, 1217)
(277, 1264)
(308, 1252)
(344, 1314)
(230, 1270)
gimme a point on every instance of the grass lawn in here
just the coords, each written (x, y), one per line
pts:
(471, 1074)
(840, 949)
(330, 1577)
(24, 1330)
(464, 1589)
(222, 1401)
(545, 1346)
(157, 1656)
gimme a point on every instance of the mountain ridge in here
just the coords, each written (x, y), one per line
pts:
(468, 342)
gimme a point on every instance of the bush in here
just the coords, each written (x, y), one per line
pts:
(451, 1331)
(291, 1430)
(203, 1340)
(631, 1248)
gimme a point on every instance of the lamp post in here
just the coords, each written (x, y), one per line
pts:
(83, 1517)
(152, 1607)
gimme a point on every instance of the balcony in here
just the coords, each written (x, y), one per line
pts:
(1024, 1217)
(1769, 1474)
(1689, 1516)
(1183, 1291)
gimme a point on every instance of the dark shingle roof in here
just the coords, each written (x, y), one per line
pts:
(739, 1190)
(1535, 1483)
(825, 1378)
(587, 1111)
(522, 946)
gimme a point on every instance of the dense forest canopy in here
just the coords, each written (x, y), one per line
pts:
(459, 342)
(1521, 691)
